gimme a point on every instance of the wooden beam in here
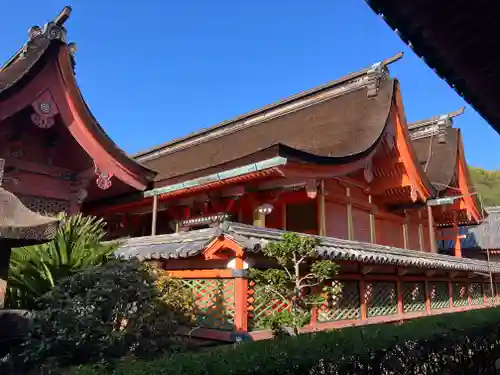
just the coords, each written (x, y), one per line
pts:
(380, 185)
(420, 232)
(233, 191)
(350, 229)
(432, 235)
(201, 274)
(154, 215)
(321, 209)
(282, 183)
(372, 221)
(405, 232)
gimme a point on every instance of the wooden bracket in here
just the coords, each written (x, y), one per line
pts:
(454, 274)
(380, 185)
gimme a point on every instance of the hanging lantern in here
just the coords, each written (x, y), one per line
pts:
(265, 209)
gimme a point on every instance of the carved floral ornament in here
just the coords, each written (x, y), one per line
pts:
(311, 189)
(45, 109)
(368, 171)
(103, 178)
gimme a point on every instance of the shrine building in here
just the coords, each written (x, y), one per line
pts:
(338, 161)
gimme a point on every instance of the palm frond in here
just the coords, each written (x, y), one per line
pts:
(34, 270)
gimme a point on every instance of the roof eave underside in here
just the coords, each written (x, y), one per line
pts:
(456, 39)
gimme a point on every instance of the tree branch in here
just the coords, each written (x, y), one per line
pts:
(306, 256)
(307, 277)
(311, 285)
(278, 294)
(288, 272)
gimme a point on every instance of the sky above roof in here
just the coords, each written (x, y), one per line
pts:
(156, 70)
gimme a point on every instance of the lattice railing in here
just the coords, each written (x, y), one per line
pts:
(487, 293)
(476, 294)
(460, 294)
(439, 294)
(413, 296)
(381, 298)
(214, 302)
(259, 308)
(345, 305)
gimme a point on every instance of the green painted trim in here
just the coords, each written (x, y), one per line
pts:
(240, 171)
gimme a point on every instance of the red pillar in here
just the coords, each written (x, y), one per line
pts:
(400, 296)
(427, 297)
(362, 296)
(240, 297)
(458, 247)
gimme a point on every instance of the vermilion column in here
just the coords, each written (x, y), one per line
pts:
(240, 297)
(458, 246)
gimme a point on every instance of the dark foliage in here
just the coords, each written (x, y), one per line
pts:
(460, 343)
(123, 308)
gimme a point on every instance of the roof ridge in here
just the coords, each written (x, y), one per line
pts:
(436, 125)
(367, 77)
(52, 30)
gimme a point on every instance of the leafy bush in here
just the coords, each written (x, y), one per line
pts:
(123, 308)
(34, 270)
(460, 343)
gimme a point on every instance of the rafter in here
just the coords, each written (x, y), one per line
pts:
(381, 185)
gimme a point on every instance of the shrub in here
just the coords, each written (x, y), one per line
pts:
(34, 270)
(460, 343)
(123, 308)
(299, 272)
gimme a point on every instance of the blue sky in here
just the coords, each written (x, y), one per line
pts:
(154, 70)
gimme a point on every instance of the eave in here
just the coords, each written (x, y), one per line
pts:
(457, 40)
(243, 239)
(399, 180)
(43, 72)
(93, 138)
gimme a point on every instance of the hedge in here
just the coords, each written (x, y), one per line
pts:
(460, 343)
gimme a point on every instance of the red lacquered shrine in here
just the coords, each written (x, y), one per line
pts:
(57, 155)
(338, 161)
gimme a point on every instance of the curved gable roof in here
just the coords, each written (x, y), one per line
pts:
(436, 146)
(333, 123)
(48, 44)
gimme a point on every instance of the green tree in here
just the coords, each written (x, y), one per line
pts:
(487, 183)
(34, 270)
(295, 283)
